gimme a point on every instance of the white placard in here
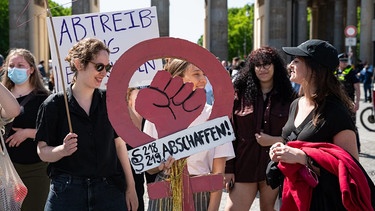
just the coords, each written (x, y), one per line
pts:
(182, 144)
(119, 30)
(350, 41)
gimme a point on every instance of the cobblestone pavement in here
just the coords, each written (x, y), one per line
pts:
(366, 157)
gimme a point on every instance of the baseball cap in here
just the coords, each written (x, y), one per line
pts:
(343, 57)
(319, 50)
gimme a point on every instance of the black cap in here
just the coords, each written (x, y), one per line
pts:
(343, 57)
(320, 51)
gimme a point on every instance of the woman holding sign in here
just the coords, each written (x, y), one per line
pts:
(261, 106)
(202, 163)
(88, 165)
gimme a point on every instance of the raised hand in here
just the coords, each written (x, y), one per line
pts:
(170, 103)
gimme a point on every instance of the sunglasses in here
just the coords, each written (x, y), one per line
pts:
(100, 66)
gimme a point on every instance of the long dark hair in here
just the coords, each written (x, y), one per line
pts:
(247, 85)
(326, 84)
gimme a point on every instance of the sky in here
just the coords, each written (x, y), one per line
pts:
(186, 17)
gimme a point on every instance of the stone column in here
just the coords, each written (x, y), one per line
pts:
(19, 26)
(366, 43)
(162, 8)
(85, 6)
(314, 20)
(302, 21)
(216, 28)
(338, 30)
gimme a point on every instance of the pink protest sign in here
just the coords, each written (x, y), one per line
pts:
(182, 103)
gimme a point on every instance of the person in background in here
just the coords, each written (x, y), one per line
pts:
(42, 69)
(319, 133)
(263, 94)
(368, 78)
(137, 119)
(88, 164)
(9, 107)
(210, 161)
(23, 79)
(351, 84)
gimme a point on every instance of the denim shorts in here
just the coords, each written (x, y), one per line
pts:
(81, 194)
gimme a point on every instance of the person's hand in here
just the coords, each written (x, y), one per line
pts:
(264, 139)
(229, 181)
(166, 166)
(284, 153)
(170, 103)
(131, 199)
(69, 145)
(18, 137)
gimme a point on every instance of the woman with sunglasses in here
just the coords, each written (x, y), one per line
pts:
(23, 79)
(88, 166)
(263, 94)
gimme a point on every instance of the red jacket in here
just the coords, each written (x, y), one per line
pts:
(356, 194)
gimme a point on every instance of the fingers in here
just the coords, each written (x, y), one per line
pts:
(70, 143)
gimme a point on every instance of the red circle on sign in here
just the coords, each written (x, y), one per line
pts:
(156, 48)
(350, 31)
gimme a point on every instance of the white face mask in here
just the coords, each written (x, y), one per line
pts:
(18, 75)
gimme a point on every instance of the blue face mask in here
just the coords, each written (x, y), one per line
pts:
(18, 75)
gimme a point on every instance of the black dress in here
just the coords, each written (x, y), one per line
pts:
(335, 118)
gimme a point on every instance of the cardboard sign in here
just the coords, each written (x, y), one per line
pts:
(119, 30)
(182, 144)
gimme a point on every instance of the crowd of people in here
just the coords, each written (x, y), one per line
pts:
(294, 125)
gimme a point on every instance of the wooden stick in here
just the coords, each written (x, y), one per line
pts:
(59, 60)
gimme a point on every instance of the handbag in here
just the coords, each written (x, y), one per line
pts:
(12, 190)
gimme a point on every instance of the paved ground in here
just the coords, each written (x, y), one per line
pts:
(367, 155)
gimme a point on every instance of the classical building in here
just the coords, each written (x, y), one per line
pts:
(285, 23)
(277, 23)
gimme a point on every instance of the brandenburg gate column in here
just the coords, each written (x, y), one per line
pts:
(162, 8)
(338, 28)
(215, 38)
(366, 43)
(302, 21)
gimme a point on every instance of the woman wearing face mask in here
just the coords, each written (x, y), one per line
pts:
(23, 79)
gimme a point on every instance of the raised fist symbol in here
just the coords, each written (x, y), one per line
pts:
(170, 103)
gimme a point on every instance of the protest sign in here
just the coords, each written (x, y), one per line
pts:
(182, 144)
(119, 30)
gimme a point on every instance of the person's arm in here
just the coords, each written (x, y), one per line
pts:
(130, 194)
(266, 140)
(8, 103)
(53, 154)
(357, 96)
(347, 140)
(20, 136)
(218, 167)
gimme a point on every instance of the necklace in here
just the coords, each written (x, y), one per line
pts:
(21, 94)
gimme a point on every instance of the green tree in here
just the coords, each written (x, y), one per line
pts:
(4, 23)
(240, 31)
(56, 10)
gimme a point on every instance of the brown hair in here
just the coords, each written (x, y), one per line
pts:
(85, 50)
(35, 77)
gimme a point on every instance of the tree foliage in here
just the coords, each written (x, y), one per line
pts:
(56, 10)
(240, 31)
(4, 23)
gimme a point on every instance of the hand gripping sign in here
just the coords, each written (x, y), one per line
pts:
(183, 106)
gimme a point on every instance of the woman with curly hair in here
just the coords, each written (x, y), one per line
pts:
(263, 94)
